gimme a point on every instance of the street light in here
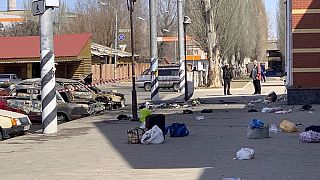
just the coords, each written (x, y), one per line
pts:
(130, 4)
(186, 22)
(115, 36)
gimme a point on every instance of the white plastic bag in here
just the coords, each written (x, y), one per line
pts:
(245, 154)
(153, 136)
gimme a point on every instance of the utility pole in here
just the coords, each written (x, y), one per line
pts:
(154, 51)
(116, 45)
(134, 91)
(181, 48)
(47, 65)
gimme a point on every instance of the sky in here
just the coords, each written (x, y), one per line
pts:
(271, 6)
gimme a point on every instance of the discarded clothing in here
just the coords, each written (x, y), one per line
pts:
(187, 111)
(313, 128)
(270, 110)
(271, 97)
(309, 137)
(123, 117)
(283, 111)
(253, 110)
(305, 107)
(257, 101)
(144, 113)
(207, 111)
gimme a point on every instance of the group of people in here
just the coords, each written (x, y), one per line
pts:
(257, 74)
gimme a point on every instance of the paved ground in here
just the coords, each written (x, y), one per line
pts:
(126, 89)
(96, 147)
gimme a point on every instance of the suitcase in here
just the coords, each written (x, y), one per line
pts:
(156, 119)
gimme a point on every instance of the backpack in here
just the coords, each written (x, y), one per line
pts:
(178, 130)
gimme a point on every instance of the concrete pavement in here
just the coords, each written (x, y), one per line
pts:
(96, 147)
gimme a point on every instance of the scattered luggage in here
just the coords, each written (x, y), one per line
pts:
(135, 135)
(156, 119)
(178, 130)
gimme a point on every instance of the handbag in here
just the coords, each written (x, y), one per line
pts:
(178, 130)
(135, 135)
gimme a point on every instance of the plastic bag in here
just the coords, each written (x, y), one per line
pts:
(245, 154)
(288, 126)
(273, 128)
(143, 114)
(258, 133)
(256, 123)
(153, 136)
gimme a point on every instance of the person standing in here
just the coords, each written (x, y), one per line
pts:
(263, 72)
(227, 77)
(256, 77)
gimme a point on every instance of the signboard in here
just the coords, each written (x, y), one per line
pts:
(121, 37)
(38, 7)
(122, 47)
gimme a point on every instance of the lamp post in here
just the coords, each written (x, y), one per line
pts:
(186, 22)
(115, 36)
(130, 4)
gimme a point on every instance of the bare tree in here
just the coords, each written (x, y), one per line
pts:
(30, 25)
(281, 25)
(239, 30)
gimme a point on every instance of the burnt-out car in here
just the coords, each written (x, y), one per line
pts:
(27, 100)
(82, 92)
(117, 99)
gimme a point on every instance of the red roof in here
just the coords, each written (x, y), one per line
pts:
(69, 45)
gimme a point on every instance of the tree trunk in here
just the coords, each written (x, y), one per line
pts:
(214, 78)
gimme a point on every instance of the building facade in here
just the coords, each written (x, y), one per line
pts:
(303, 51)
(21, 56)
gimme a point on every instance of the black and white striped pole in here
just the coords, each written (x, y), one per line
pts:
(154, 51)
(48, 90)
(181, 46)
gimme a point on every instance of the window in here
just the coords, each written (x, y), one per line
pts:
(4, 76)
(164, 72)
(146, 72)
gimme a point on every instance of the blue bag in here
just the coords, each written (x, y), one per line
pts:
(178, 130)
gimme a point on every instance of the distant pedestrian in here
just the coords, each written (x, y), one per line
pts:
(227, 77)
(263, 72)
(256, 77)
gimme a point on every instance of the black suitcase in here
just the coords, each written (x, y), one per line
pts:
(156, 119)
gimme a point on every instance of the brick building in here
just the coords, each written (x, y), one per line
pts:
(303, 51)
